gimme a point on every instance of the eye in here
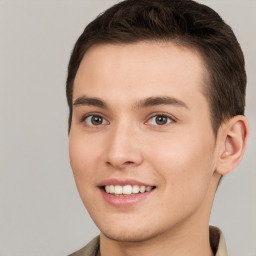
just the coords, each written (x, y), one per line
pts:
(160, 119)
(95, 120)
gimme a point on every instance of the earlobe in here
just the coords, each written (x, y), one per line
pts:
(234, 137)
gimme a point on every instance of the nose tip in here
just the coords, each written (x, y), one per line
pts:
(123, 150)
(122, 155)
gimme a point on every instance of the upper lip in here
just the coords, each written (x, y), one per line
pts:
(123, 182)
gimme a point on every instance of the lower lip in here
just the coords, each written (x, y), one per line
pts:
(127, 200)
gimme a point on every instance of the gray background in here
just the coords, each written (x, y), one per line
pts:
(40, 211)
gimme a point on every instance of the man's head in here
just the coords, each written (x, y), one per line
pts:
(155, 90)
(186, 23)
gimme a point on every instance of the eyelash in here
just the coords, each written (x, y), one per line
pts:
(83, 119)
(163, 115)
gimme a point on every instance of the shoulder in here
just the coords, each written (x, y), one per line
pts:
(90, 249)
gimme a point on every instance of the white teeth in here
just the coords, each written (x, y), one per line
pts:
(135, 189)
(142, 189)
(112, 189)
(127, 189)
(107, 189)
(118, 190)
(148, 188)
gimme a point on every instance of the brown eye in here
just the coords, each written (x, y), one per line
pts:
(95, 120)
(160, 120)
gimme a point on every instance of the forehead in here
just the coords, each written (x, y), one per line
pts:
(140, 69)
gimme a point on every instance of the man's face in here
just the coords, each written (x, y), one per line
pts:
(140, 121)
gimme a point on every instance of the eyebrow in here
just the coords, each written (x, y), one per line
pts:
(85, 101)
(165, 100)
(148, 102)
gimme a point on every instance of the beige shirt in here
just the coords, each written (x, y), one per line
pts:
(217, 241)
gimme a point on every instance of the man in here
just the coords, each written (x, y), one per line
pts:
(156, 92)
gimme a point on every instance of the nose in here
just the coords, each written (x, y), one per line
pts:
(123, 148)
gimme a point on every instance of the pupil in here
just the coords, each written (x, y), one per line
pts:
(161, 120)
(96, 120)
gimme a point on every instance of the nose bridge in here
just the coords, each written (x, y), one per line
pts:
(123, 145)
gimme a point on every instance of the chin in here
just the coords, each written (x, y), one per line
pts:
(130, 232)
(128, 237)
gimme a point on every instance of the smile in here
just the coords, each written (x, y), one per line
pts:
(127, 189)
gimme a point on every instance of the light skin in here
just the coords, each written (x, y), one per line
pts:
(140, 116)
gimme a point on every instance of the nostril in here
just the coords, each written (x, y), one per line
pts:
(120, 165)
(128, 162)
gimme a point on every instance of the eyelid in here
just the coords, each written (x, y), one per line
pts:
(83, 118)
(172, 118)
(92, 114)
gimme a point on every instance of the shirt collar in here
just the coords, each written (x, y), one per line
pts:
(217, 242)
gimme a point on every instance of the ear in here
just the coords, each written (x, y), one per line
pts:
(232, 137)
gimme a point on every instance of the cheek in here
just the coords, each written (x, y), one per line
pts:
(185, 163)
(84, 155)
(84, 158)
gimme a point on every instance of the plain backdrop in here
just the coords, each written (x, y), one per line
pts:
(40, 211)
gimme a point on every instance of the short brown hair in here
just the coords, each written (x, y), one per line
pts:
(184, 22)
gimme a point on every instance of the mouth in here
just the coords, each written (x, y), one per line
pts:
(127, 190)
(126, 193)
